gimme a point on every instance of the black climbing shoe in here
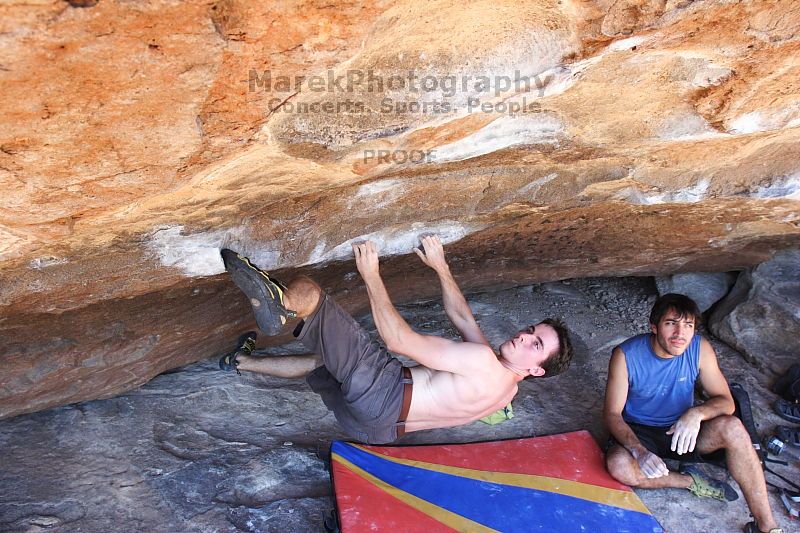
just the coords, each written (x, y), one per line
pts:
(751, 527)
(788, 385)
(789, 435)
(787, 410)
(244, 346)
(708, 487)
(264, 292)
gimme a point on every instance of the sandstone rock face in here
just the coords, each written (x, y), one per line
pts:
(761, 315)
(705, 288)
(543, 141)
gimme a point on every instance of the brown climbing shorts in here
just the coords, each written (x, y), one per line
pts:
(360, 381)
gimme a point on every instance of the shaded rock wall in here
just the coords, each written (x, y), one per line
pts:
(558, 139)
(761, 315)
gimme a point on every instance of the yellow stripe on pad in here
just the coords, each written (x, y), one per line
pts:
(450, 519)
(585, 491)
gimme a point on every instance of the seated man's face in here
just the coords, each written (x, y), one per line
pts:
(673, 332)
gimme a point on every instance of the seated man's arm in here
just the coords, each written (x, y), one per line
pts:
(455, 305)
(720, 402)
(616, 395)
(433, 352)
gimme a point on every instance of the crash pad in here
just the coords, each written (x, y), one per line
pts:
(550, 483)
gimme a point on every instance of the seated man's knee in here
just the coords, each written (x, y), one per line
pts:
(730, 429)
(620, 465)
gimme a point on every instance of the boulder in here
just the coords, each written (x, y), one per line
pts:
(761, 315)
(705, 288)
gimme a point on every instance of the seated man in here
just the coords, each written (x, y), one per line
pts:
(369, 391)
(649, 412)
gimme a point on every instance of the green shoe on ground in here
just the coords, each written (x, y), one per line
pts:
(707, 487)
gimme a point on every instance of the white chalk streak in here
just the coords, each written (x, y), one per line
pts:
(376, 195)
(767, 120)
(197, 254)
(786, 187)
(689, 195)
(747, 123)
(44, 262)
(502, 133)
(397, 240)
(535, 185)
(624, 44)
(686, 126)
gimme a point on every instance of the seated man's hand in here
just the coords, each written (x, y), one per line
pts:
(684, 432)
(650, 464)
(366, 254)
(434, 253)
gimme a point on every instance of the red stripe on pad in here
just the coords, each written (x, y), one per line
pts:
(386, 513)
(573, 456)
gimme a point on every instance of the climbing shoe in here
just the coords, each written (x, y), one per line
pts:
(707, 487)
(789, 435)
(752, 527)
(244, 346)
(789, 411)
(265, 293)
(788, 385)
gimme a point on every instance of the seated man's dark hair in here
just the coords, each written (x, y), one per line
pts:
(680, 303)
(560, 359)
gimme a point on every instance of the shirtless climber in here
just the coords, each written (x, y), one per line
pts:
(375, 398)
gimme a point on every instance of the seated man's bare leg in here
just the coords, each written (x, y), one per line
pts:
(728, 433)
(289, 366)
(624, 468)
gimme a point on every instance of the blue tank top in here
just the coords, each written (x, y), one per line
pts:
(659, 390)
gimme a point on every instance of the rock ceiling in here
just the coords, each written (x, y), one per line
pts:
(544, 140)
